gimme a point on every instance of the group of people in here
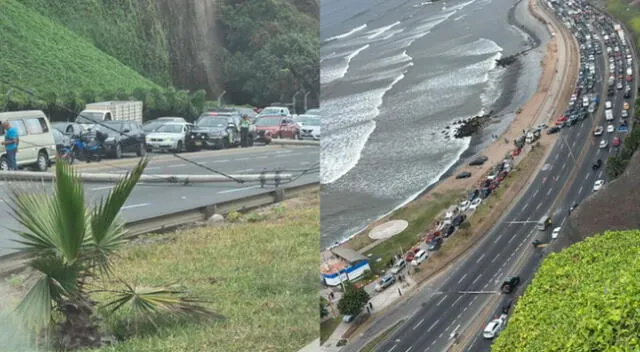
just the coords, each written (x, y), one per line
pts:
(11, 141)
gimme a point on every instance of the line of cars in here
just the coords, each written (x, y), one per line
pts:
(219, 128)
(453, 218)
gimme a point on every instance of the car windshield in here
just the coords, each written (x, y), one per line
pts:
(153, 125)
(109, 127)
(308, 122)
(170, 128)
(89, 117)
(213, 122)
(272, 111)
(268, 122)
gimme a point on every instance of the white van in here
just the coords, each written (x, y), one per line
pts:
(37, 147)
(420, 257)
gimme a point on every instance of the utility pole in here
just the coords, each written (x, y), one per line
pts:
(220, 98)
(293, 98)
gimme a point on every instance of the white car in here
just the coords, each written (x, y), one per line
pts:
(398, 266)
(475, 203)
(309, 126)
(555, 233)
(597, 185)
(598, 131)
(494, 327)
(420, 257)
(603, 144)
(607, 105)
(170, 136)
(464, 205)
(611, 128)
(624, 114)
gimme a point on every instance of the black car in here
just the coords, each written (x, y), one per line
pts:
(553, 130)
(122, 136)
(507, 306)
(463, 174)
(459, 219)
(435, 244)
(485, 192)
(220, 131)
(510, 284)
(448, 231)
(474, 194)
(479, 160)
(597, 164)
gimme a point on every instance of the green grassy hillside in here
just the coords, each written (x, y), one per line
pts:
(130, 31)
(584, 298)
(37, 53)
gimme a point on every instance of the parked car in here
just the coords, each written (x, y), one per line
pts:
(270, 127)
(309, 126)
(448, 230)
(420, 257)
(274, 111)
(464, 174)
(169, 137)
(475, 203)
(553, 130)
(122, 136)
(494, 327)
(213, 132)
(464, 205)
(398, 266)
(435, 244)
(598, 185)
(597, 164)
(411, 254)
(385, 282)
(459, 219)
(555, 232)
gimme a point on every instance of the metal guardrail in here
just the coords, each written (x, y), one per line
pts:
(15, 262)
(294, 142)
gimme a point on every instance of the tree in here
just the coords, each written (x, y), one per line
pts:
(353, 300)
(72, 247)
(616, 166)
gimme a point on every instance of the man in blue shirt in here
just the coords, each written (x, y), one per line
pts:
(11, 141)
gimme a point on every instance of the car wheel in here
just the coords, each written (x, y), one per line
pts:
(179, 147)
(118, 151)
(142, 150)
(4, 163)
(42, 163)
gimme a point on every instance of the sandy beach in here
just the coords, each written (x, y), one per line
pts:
(559, 72)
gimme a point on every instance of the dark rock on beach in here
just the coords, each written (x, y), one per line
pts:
(470, 126)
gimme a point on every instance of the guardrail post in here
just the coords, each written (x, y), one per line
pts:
(279, 194)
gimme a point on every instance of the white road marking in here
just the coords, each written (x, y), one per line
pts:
(134, 206)
(441, 300)
(538, 206)
(305, 163)
(101, 188)
(563, 166)
(586, 177)
(176, 165)
(494, 258)
(580, 190)
(419, 323)
(525, 205)
(479, 259)
(394, 346)
(219, 161)
(573, 144)
(462, 278)
(152, 168)
(239, 189)
(600, 174)
(262, 157)
(549, 191)
(409, 349)
(433, 325)
(476, 279)
(242, 159)
(456, 301)
(511, 239)
(556, 157)
(534, 193)
(243, 170)
(497, 239)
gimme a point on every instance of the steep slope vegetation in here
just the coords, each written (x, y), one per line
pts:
(584, 298)
(39, 54)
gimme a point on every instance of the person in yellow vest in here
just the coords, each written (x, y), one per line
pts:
(244, 131)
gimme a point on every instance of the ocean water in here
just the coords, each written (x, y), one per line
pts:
(394, 74)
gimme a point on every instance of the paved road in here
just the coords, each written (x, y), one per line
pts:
(507, 248)
(149, 200)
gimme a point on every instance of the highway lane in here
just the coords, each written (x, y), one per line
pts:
(149, 200)
(431, 325)
(581, 188)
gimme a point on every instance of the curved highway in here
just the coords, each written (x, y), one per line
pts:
(149, 200)
(467, 297)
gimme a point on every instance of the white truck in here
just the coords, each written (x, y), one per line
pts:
(608, 115)
(532, 135)
(110, 110)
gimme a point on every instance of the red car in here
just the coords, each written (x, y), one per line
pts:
(629, 78)
(431, 236)
(616, 142)
(269, 127)
(561, 120)
(411, 254)
(516, 152)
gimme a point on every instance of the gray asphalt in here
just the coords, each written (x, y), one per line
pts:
(496, 255)
(149, 200)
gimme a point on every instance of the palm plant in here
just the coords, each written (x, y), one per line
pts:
(71, 246)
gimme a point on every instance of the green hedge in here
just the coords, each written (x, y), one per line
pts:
(585, 298)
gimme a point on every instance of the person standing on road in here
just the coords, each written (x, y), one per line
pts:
(244, 130)
(11, 141)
